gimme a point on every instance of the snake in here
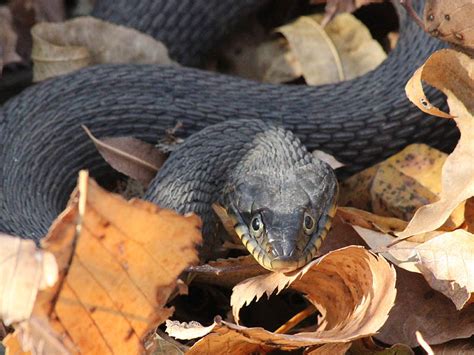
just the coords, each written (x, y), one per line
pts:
(247, 144)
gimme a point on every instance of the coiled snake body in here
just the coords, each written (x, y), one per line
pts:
(43, 147)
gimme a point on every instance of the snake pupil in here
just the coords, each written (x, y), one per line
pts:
(256, 224)
(308, 222)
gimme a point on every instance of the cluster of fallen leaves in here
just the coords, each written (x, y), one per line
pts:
(305, 48)
(109, 270)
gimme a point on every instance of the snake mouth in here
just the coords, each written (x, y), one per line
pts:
(261, 250)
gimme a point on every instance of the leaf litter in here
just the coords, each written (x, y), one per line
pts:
(415, 209)
(118, 265)
(60, 48)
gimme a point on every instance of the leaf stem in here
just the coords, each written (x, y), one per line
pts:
(297, 319)
(408, 5)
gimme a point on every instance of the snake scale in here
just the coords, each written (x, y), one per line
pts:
(360, 122)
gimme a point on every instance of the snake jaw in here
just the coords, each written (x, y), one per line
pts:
(264, 252)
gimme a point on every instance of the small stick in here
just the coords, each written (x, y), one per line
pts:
(297, 319)
(408, 5)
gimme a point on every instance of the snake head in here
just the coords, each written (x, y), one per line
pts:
(282, 218)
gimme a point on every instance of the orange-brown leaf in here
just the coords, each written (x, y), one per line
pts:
(126, 259)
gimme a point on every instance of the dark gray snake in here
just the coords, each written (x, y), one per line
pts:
(42, 146)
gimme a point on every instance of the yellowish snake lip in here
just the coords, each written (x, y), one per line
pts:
(286, 264)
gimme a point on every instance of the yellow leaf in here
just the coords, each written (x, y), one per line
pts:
(400, 185)
(369, 220)
(452, 73)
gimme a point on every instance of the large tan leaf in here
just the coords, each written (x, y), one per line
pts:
(314, 50)
(119, 262)
(341, 51)
(352, 288)
(59, 48)
(452, 73)
(446, 260)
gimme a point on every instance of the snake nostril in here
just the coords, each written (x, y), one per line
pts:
(275, 249)
(281, 250)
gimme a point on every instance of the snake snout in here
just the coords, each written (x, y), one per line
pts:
(285, 256)
(282, 249)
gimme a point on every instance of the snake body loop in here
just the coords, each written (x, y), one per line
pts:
(42, 145)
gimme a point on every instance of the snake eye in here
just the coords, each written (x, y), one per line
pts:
(257, 224)
(308, 223)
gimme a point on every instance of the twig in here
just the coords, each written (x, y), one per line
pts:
(297, 319)
(408, 5)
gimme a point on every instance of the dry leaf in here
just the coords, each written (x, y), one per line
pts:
(60, 48)
(400, 185)
(369, 220)
(8, 39)
(24, 270)
(455, 347)
(130, 156)
(342, 51)
(11, 342)
(183, 331)
(447, 263)
(452, 73)
(367, 346)
(451, 21)
(227, 272)
(125, 264)
(352, 288)
(446, 260)
(423, 343)
(327, 158)
(469, 215)
(226, 339)
(358, 51)
(334, 349)
(276, 63)
(334, 7)
(314, 51)
(419, 307)
(402, 254)
(160, 346)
